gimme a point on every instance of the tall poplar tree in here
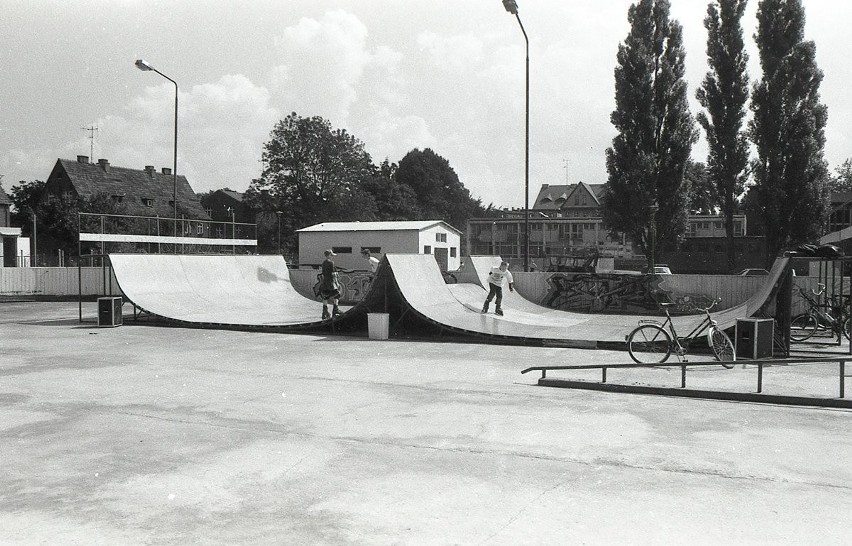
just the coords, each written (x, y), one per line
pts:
(788, 129)
(724, 94)
(647, 196)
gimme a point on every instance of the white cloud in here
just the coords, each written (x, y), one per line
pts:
(322, 62)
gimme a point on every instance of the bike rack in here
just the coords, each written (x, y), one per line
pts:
(757, 396)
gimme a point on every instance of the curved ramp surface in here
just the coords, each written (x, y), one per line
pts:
(228, 290)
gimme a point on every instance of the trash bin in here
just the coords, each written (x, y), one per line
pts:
(754, 338)
(378, 325)
(109, 311)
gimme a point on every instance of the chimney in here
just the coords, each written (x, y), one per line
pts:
(150, 170)
(167, 170)
(104, 164)
(83, 159)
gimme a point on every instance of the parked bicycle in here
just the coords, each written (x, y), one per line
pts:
(832, 317)
(653, 342)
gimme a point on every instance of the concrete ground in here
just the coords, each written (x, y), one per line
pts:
(152, 435)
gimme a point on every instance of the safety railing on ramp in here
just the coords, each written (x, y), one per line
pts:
(758, 396)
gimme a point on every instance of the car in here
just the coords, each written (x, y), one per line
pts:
(660, 270)
(753, 272)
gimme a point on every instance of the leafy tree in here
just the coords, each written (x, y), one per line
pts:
(724, 94)
(656, 132)
(440, 194)
(703, 196)
(394, 201)
(312, 172)
(788, 129)
(843, 180)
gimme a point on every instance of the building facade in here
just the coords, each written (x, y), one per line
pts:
(347, 239)
(565, 222)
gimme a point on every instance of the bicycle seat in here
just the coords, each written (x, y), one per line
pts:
(666, 305)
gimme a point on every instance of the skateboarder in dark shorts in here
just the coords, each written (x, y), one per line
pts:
(329, 286)
(495, 285)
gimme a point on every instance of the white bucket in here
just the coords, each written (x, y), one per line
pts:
(378, 325)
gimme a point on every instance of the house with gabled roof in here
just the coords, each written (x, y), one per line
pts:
(578, 200)
(227, 205)
(143, 192)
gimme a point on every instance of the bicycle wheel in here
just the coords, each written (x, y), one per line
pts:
(803, 326)
(722, 346)
(846, 327)
(649, 344)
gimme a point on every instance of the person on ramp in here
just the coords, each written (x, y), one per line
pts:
(329, 286)
(372, 261)
(495, 285)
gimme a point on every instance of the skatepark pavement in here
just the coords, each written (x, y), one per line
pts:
(150, 435)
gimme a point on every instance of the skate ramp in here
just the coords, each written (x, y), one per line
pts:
(458, 307)
(224, 290)
(475, 270)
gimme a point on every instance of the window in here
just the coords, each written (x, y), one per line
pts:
(342, 249)
(372, 249)
(199, 229)
(427, 249)
(148, 202)
(441, 237)
(452, 252)
(117, 198)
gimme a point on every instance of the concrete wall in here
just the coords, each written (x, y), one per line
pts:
(55, 281)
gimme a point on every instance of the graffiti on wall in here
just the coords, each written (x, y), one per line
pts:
(616, 293)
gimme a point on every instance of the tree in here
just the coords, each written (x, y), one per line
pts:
(440, 194)
(843, 180)
(703, 196)
(647, 196)
(724, 94)
(312, 173)
(788, 129)
(394, 201)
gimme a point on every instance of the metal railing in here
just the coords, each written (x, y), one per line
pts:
(759, 364)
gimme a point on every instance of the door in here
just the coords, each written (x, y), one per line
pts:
(442, 257)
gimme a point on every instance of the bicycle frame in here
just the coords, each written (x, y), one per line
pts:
(668, 324)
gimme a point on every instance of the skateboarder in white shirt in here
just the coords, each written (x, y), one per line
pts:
(495, 285)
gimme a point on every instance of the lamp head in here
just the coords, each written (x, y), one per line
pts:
(511, 6)
(142, 64)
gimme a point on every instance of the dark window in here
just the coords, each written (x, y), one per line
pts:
(342, 249)
(148, 202)
(427, 249)
(373, 249)
(452, 252)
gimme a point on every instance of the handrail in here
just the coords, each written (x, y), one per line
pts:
(684, 365)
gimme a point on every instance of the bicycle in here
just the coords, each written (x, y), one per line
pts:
(834, 318)
(650, 343)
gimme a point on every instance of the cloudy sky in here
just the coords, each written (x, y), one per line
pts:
(398, 74)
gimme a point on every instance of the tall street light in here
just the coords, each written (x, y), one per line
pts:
(145, 66)
(512, 7)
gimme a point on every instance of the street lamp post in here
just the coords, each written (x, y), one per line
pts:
(512, 7)
(279, 213)
(653, 262)
(145, 66)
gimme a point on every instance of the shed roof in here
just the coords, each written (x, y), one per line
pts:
(409, 225)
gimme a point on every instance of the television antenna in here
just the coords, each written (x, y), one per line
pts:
(92, 130)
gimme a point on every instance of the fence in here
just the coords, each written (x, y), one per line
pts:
(56, 281)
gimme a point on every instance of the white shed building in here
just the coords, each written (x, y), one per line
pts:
(346, 239)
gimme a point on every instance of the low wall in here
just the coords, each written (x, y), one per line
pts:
(56, 281)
